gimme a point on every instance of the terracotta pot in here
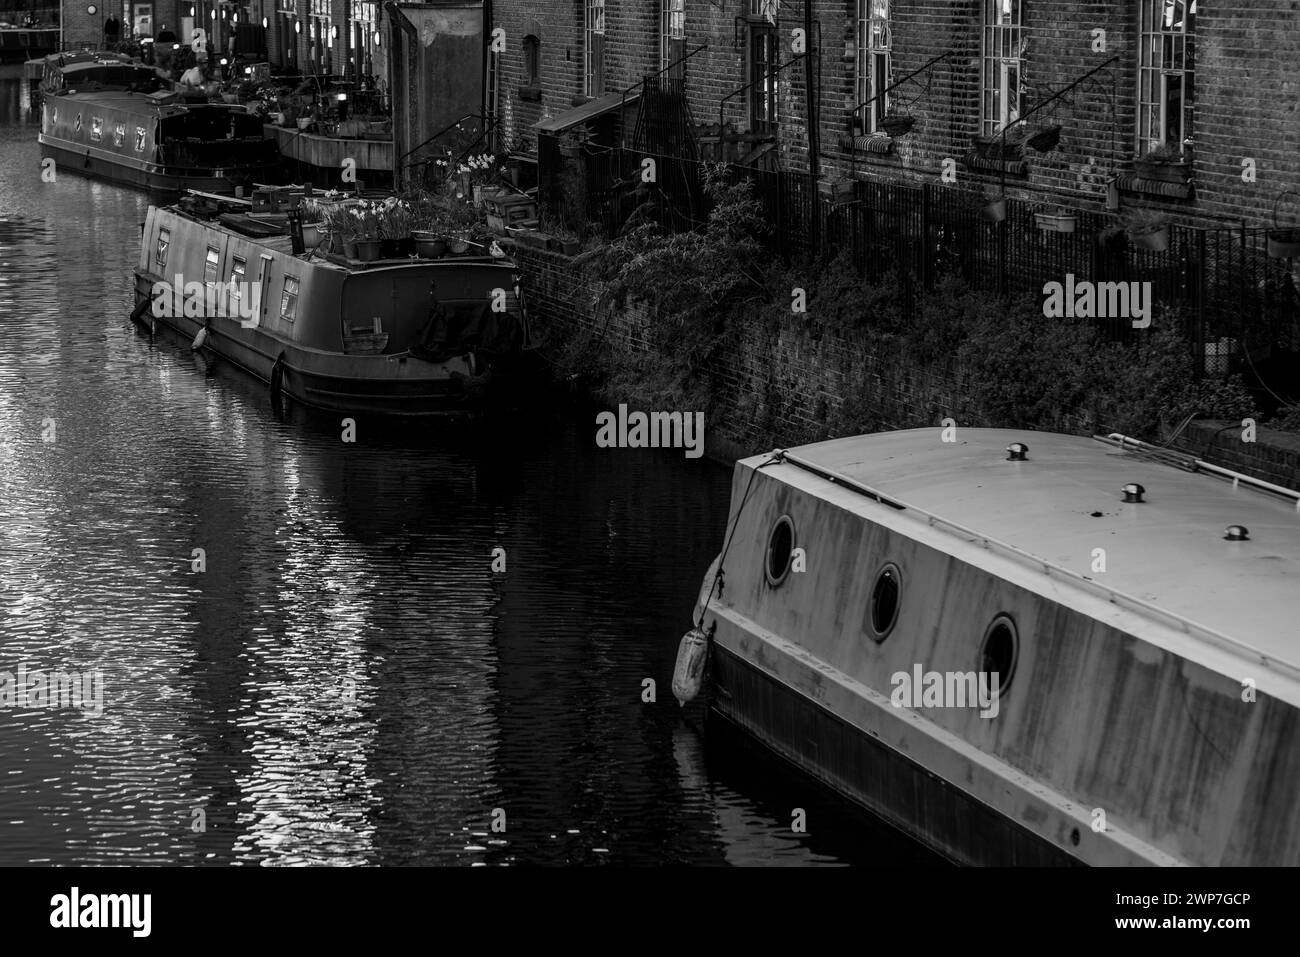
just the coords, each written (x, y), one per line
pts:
(350, 248)
(431, 248)
(367, 250)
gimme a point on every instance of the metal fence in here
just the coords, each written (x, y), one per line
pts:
(1230, 297)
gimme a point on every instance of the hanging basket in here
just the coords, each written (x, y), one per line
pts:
(1045, 139)
(896, 126)
(1283, 243)
(1162, 172)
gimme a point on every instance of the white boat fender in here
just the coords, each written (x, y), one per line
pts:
(688, 675)
(201, 338)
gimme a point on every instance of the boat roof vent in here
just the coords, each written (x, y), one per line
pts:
(1133, 492)
(1017, 451)
(1236, 533)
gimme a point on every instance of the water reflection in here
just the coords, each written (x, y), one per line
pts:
(346, 681)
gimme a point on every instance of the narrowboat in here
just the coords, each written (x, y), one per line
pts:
(1018, 648)
(115, 119)
(395, 337)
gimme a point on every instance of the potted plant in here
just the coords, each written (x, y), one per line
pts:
(1148, 229)
(1162, 164)
(1055, 219)
(997, 148)
(897, 124)
(995, 209)
(429, 244)
(1283, 242)
(395, 223)
(367, 232)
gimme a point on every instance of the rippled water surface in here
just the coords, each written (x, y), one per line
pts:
(347, 682)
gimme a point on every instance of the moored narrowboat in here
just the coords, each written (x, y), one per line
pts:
(153, 138)
(1018, 648)
(399, 336)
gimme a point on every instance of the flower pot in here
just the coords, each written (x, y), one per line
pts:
(367, 250)
(457, 247)
(311, 235)
(304, 122)
(896, 126)
(1162, 172)
(1284, 243)
(350, 248)
(1157, 240)
(1056, 222)
(571, 247)
(431, 248)
(388, 249)
(995, 211)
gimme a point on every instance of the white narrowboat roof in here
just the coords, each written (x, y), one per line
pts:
(1066, 498)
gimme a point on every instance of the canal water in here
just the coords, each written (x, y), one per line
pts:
(347, 681)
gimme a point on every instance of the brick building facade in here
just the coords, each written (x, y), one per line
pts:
(1215, 83)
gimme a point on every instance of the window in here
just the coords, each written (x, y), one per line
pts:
(289, 298)
(594, 84)
(96, 129)
(76, 126)
(532, 61)
(672, 31)
(999, 652)
(119, 134)
(780, 551)
(140, 134)
(1165, 73)
(164, 240)
(238, 268)
(883, 608)
(210, 265)
(764, 60)
(1004, 50)
(873, 72)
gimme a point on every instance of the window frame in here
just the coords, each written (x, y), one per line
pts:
(1164, 54)
(238, 274)
(593, 53)
(873, 69)
(289, 300)
(1002, 48)
(163, 246)
(532, 48)
(672, 36)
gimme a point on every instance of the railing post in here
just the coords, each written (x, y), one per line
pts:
(927, 247)
(1198, 305)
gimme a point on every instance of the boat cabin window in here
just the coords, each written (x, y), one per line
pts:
(885, 601)
(780, 551)
(139, 139)
(164, 240)
(96, 128)
(210, 265)
(237, 269)
(76, 124)
(289, 299)
(119, 134)
(999, 653)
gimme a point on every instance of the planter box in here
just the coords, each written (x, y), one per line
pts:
(895, 126)
(1284, 243)
(1056, 222)
(1163, 172)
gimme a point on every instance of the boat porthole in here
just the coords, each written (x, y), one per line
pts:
(780, 551)
(1000, 650)
(1074, 837)
(884, 603)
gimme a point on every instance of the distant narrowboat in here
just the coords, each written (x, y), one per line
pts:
(116, 119)
(402, 336)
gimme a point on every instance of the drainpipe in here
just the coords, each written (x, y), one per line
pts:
(813, 94)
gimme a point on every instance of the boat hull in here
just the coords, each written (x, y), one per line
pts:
(854, 763)
(105, 165)
(352, 385)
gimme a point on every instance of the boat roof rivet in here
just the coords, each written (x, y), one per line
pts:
(1017, 451)
(1236, 533)
(1133, 492)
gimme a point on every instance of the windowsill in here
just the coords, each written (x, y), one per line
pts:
(580, 99)
(878, 144)
(1132, 183)
(982, 164)
(532, 94)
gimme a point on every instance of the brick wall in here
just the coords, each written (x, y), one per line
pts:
(1245, 79)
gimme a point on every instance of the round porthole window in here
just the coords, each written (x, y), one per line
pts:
(885, 595)
(1000, 651)
(780, 550)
